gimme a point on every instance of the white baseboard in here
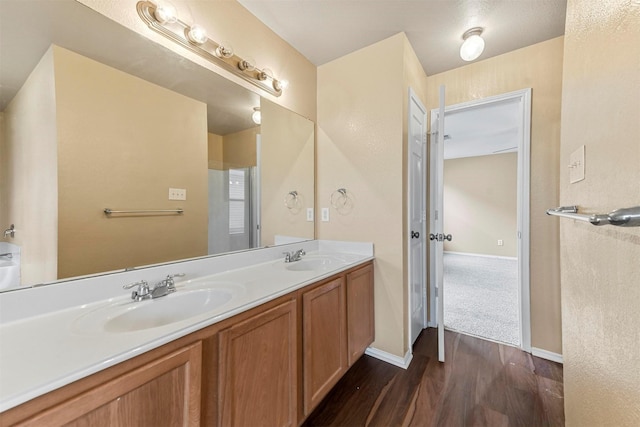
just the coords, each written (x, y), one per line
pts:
(390, 358)
(544, 354)
(480, 255)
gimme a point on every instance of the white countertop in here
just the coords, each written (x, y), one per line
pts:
(40, 353)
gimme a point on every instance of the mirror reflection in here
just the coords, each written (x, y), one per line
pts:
(111, 120)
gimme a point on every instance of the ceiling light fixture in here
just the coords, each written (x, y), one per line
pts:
(256, 116)
(473, 44)
(162, 18)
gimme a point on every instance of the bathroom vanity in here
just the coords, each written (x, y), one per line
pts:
(265, 356)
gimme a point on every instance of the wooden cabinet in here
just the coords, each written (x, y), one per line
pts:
(164, 392)
(269, 366)
(360, 320)
(258, 369)
(324, 322)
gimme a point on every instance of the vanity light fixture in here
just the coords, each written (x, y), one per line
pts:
(256, 116)
(161, 17)
(473, 44)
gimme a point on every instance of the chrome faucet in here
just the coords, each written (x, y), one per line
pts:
(11, 231)
(294, 255)
(164, 287)
(143, 292)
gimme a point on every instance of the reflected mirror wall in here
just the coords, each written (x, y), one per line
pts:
(120, 122)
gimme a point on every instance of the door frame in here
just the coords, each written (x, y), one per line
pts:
(523, 209)
(413, 98)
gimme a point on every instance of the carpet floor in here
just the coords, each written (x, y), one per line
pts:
(481, 297)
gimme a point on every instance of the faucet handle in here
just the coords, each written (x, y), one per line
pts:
(141, 284)
(141, 293)
(169, 281)
(287, 256)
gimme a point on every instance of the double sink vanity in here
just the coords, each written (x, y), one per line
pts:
(238, 339)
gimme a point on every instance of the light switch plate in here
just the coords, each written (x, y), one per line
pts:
(576, 165)
(177, 194)
(309, 214)
(325, 214)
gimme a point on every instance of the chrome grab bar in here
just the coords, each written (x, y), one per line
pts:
(108, 211)
(626, 217)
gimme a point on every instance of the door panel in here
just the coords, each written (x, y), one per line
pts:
(417, 215)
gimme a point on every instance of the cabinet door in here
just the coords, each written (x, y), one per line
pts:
(165, 392)
(360, 318)
(324, 340)
(258, 374)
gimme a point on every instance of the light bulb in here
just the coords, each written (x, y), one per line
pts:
(224, 50)
(197, 34)
(280, 84)
(247, 64)
(256, 116)
(165, 13)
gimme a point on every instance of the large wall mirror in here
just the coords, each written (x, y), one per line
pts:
(94, 116)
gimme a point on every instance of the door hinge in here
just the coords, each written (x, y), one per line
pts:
(435, 215)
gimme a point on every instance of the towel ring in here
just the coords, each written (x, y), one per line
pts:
(342, 201)
(292, 200)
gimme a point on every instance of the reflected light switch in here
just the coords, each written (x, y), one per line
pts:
(576, 165)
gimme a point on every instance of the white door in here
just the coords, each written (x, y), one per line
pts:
(417, 215)
(437, 235)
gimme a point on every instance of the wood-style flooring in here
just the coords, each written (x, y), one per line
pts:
(482, 383)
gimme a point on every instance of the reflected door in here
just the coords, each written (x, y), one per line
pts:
(417, 214)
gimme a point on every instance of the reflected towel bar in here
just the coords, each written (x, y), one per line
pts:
(108, 211)
(626, 217)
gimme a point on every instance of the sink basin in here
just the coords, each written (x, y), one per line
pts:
(170, 309)
(9, 274)
(133, 316)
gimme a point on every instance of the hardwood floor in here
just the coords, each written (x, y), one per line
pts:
(482, 383)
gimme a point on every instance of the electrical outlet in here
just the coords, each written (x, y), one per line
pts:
(177, 194)
(325, 214)
(309, 214)
(576, 165)
(500, 242)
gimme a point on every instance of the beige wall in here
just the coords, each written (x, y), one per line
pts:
(215, 156)
(539, 67)
(32, 199)
(286, 164)
(361, 147)
(113, 152)
(4, 164)
(229, 21)
(239, 148)
(601, 265)
(480, 204)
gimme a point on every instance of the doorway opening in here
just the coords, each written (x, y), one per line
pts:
(485, 189)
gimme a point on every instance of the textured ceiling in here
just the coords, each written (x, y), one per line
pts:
(323, 30)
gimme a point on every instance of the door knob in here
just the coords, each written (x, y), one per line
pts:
(432, 236)
(415, 235)
(448, 237)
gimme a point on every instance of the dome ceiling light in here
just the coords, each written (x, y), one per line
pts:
(473, 44)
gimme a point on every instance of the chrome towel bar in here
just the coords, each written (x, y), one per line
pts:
(108, 211)
(626, 217)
